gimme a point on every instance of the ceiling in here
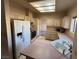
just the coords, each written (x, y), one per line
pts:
(61, 5)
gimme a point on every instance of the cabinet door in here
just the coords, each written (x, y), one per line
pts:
(66, 22)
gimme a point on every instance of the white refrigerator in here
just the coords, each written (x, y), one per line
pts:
(21, 36)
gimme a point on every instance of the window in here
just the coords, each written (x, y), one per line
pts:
(73, 25)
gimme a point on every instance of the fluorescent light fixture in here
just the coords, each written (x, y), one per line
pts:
(45, 5)
(42, 3)
(46, 8)
(47, 11)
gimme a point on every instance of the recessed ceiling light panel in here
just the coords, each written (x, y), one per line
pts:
(46, 8)
(44, 5)
(47, 11)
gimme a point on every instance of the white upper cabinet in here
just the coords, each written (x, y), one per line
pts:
(66, 22)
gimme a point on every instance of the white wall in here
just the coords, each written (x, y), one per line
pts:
(7, 19)
(17, 11)
(72, 13)
(4, 42)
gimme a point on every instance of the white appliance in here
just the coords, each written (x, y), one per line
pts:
(21, 36)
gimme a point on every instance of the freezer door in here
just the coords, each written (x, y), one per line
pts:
(26, 33)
